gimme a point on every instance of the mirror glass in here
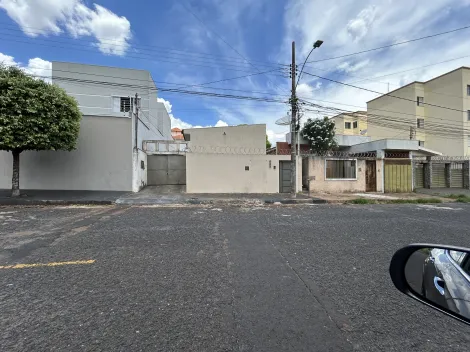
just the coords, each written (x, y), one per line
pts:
(442, 276)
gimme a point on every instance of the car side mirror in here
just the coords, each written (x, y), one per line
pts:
(435, 275)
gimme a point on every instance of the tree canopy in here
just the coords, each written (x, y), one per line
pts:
(268, 143)
(320, 134)
(35, 115)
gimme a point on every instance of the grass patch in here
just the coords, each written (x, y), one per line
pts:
(459, 198)
(415, 201)
(362, 201)
(396, 201)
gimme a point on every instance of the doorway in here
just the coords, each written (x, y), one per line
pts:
(371, 176)
(284, 176)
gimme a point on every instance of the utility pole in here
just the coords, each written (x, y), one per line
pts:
(293, 127)
(136, 104)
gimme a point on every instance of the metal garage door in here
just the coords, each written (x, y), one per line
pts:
(419, 175)
(284, 176)
(438, 175)
(166, 170)
(397, 176)
(456, 175)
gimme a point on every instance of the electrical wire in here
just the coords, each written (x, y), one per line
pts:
(391, 45)
(383, 94)
(145, 58)
(158, 49)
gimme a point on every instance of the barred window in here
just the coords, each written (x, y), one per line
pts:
(347, 125)
(125, 105)
(355, 124)
(340, 169)
(420, 101)
(420, 123)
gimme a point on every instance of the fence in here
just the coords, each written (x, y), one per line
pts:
(165, 147)
(441, 172)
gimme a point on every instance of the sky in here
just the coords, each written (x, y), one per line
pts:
(188, 43)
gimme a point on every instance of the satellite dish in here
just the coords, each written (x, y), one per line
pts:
(363, 132)
(284, 121)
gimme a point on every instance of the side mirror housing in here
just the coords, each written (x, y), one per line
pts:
(435, 275)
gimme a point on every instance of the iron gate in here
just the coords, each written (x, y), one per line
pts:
(166, 170)
(438, 175)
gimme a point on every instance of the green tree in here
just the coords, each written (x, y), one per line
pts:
(320, 135)
(34, 115)
(268, 143)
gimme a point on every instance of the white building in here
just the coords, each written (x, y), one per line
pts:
(104, 158)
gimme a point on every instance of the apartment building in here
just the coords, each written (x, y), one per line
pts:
(351, 124)
(435, 112)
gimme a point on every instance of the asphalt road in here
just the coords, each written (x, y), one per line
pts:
(310, 278)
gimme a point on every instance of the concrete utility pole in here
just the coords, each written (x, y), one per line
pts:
(136, 104)
(293, 174)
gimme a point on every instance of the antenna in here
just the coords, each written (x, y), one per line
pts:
(284, 121)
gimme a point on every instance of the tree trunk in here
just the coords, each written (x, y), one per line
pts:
(15, 181)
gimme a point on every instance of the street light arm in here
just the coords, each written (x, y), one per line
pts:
(302, 69)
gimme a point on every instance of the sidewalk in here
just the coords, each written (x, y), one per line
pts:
(348, 197)
(156, 195)
(45, 197)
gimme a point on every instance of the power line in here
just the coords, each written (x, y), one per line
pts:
(219, 36)
(391, 45)
(146, 58)
(180, 84)
(386, 94)
(153, 48)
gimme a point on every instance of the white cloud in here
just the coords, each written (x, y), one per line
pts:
(45, 17)
(37, 67)
(176, 122)
(40, 68)
(221, 123)
(7, 60)
(358, 27)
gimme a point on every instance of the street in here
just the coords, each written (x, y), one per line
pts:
(202, 278)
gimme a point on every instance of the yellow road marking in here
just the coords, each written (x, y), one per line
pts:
(36, 265)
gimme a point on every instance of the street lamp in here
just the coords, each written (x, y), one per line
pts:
(294, 120)
(317, 44)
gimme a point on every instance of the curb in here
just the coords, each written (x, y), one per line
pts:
(4, 202)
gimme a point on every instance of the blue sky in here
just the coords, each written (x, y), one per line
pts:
(236, 38)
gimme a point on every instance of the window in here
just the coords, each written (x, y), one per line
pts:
(468, 115)
(340, 169)
(457, 256)
(347, 125)
(420, 101)
(421, 143)
(420, 123)
(125, 105)
(468, 89)
(355, 124)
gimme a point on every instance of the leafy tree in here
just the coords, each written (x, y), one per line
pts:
(268, 143)
(320, 135)
(34, 115)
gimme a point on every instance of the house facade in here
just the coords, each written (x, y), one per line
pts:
(436, 113)
(106, 158)
(233, 159)
(351, 124)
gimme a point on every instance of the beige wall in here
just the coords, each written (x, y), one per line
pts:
(225, 173)
(318, 183)
(341, 119)
(249, 139)
(102, 160)
(389, 117)
(447, 91)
